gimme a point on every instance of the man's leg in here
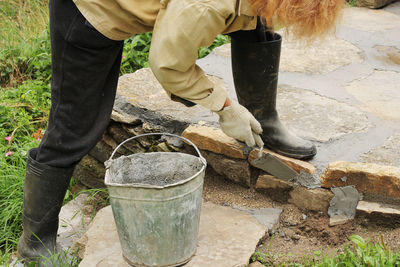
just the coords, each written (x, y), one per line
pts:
(85, 67)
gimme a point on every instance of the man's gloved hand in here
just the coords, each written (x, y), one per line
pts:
(237, 122)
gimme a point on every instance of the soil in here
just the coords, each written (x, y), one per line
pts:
(300, 233)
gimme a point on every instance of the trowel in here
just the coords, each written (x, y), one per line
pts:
(271, 164)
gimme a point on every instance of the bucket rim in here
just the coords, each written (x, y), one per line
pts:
(139, 185)
(147, 186)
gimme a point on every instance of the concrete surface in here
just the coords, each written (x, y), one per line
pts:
(227, 237)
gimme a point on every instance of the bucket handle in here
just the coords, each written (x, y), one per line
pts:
(203, 160)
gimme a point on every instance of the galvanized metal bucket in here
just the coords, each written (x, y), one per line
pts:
(157, 223)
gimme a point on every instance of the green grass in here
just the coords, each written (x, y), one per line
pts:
(25, 72)
(358, 253)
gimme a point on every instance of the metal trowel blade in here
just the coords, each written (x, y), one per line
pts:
(275, 167)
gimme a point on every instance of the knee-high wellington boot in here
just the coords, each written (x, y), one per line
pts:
(44, 192)
(255, 67)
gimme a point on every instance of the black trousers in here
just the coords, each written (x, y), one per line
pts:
(85, 68)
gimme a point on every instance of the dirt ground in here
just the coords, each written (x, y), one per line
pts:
(300, 233)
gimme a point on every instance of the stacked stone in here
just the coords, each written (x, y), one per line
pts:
(90, 171)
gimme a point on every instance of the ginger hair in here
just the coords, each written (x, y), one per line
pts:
(302, 18)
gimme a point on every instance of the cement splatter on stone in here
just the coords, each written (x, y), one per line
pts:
(159, 169)
(344, 202)
(307, 180)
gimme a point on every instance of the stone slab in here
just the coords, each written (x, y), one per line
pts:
(269, 217)
(90, 172)
(214, 140)
(389, 54)
(236, 170)
(295, 164)
(379, 94)
(379, 212)
(317, 199)
(393, 8)
(343, 204)
(370, 20)
(141, 94)
(320, 57)
(368, 178)
(387, 154)
(227, 237)
(73, 221)
(318, 118)
(374, 3)
(266, 181)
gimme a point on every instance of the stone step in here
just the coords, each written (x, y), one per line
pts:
(379, 212)
(368, 178)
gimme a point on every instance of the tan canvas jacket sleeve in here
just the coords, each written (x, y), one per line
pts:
(181, 27)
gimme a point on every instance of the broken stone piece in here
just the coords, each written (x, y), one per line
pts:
(124, 117)
(266, 181)
(379, 212)
(295, 164)
(237, 170)
(214, 140)
(338, 220)
(344, 203)
(311, 199)
(90, 172)
(368, 178)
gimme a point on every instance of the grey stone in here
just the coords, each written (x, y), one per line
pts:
(318, 118)
(90, 172)
(370, 20)
(322, 57)
(379, 212)
(140, 94)
(73, 221)
(373, 3)
(269, 217)
(307, 180)
(124, 117)
(237, 170)
(317, 199)
(389, 54)
(116, 131)
(227, 237)
(344, 203)
(379, 94)
(393, 8)
(387, 154)
(101, 151)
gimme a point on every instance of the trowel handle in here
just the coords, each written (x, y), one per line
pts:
(203, 160)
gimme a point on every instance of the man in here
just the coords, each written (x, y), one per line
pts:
(87, 40)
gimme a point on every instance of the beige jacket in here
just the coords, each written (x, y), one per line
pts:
(179, 28)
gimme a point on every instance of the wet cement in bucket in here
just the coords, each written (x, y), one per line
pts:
(157, 168)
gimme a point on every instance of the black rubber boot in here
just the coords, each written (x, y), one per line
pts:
(255, 67)
(44, 192)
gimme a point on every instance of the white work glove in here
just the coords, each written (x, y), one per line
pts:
(237, 122)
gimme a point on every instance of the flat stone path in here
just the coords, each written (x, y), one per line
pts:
(227, 237)
(342, 93)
